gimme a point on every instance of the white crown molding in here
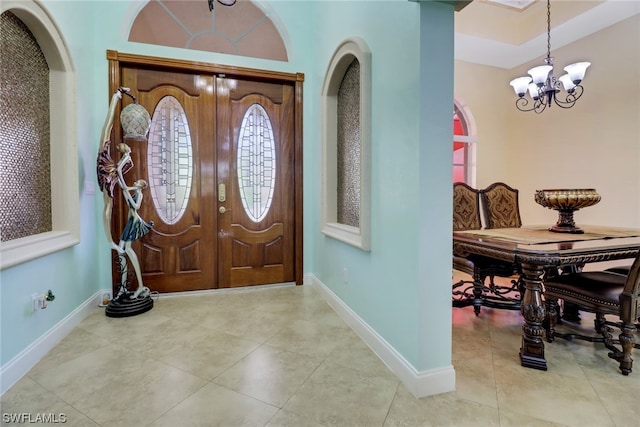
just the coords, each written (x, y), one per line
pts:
(507, 56)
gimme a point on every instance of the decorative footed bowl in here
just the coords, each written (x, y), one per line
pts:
(566, 202)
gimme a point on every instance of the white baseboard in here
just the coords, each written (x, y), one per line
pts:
(419, 383)
(18, 366)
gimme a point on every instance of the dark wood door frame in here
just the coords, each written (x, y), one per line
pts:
(117, 60)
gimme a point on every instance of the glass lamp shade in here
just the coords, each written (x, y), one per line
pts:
(533, 91)
(576, 71)
(540, 73)
(566, 82)
(520, 85)
(135, 122)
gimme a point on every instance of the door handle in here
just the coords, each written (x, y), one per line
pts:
(222, 209)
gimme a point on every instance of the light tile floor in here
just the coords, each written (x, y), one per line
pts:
(281, 356)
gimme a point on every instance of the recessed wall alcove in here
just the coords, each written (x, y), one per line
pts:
(243, 29)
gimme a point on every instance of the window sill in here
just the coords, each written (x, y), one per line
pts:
(347, 234)
(28, 248)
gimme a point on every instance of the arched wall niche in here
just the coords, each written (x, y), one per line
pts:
(244, 29)
(65, 200)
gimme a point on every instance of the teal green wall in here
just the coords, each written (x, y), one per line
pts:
(402, 287)
(435, 177)
(395, 287)
(73, 274)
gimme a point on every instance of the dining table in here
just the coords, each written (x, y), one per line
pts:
(537, 253)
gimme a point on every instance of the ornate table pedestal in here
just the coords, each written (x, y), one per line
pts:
(533, 311)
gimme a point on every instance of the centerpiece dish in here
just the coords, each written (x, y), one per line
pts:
(566, 202)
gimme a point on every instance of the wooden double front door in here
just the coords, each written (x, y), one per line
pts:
(223, 166)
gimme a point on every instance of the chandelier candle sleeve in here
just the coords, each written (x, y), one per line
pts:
(576, 71)
(540, 74)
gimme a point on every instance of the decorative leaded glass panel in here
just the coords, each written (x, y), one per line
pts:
(25, 172)
(256, 163)
(348, 147)
(170, 160)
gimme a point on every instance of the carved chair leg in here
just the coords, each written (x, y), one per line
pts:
(478, 285)
(551, 318)
(627, 342)
(571, 312)
(599, 322)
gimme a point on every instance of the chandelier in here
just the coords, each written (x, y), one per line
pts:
(543, 87)
(222, 2)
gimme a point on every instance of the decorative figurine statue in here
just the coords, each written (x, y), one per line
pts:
(135, 121)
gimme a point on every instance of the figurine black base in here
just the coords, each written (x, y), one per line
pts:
(128, 307)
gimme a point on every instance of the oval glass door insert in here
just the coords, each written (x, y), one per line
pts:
(170, 160)
(256, 163)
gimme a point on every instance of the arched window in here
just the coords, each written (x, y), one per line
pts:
(464, 145)
(346, 141)
(247, 28)
(38, 144)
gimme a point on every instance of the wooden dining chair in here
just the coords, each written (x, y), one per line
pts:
(501, 209)
(467, 216)
(466, 207)
(604, 293)
(500, 206)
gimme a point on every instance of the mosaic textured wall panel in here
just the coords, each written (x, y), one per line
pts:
(25, 175)
(348, 149)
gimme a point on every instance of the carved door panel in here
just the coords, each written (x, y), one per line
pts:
(256, 197)
(178, 162)
(224, 166)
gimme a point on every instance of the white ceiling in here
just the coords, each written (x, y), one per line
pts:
(508, 33)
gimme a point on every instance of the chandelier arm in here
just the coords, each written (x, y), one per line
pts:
(538, 105)
(522, 103)
(222, 2)
(570, 98)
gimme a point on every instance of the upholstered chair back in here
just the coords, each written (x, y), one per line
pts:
(466, 207)
(500, 206)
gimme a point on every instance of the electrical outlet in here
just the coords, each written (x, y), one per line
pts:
(105, 299)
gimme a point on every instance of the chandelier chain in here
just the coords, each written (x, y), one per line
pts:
(548, 28)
